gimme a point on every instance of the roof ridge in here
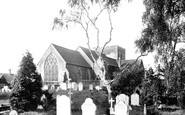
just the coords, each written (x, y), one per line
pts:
(62, 47)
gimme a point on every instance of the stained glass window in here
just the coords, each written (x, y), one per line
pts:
(51, 68)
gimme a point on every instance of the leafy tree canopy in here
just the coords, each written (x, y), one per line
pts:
(164, 25)
(163, 33)
(106, 2)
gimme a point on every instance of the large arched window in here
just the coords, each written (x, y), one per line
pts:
(51, 68)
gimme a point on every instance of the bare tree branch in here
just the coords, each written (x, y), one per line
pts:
(110, 33)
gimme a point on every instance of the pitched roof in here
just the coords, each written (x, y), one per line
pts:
(71, 56)
(7, 77)
(109, 61)
(87, 52)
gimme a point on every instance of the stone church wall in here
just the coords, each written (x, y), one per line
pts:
(78, 73)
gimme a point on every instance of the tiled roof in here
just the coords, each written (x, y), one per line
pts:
(87, 52)
(7, 77)
(109, 61)
(71, 56)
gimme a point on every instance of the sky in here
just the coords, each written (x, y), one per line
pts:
(27, 25)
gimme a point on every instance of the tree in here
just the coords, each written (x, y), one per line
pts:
(81, 14)
(127, 82)
(152, 88)
(163, 33)
(27, 86)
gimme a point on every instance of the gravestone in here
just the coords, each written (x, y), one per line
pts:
(135, 99)
(121, 108)
(52, 87)
(88, 107)
(45, 87)
(125, 99)
(63, 105)
(122, 97)
(91, 87)
(13, 112)
(63, 86)
(111, 106)
(74, 86)
(80, 86)
(6, 89)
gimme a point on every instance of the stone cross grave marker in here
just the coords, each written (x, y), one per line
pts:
(135, 99)
(63, 105)
(13, 112)
(111, 106)
(121, 108)
(88, 107)
(80, 86)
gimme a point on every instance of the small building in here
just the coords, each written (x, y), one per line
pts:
(6, 79)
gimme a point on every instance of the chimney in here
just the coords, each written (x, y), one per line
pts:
(9, 71)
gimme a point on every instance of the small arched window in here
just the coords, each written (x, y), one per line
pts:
(79, 74)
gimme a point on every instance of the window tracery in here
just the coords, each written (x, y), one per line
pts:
(51, 68)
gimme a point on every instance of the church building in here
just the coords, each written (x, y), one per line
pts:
(59, 62)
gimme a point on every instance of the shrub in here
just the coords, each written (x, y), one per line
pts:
(100, 99)
(4, 96)
(50, 102)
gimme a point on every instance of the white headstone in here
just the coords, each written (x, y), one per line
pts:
(80, 86)
(90, 86)
(63, 105)
(6, 89)
(63, 86)
(13, 112)
(74, 86)
(52, 87)
(122, 97)
(135, 99)
(121, 108)
(45, 87)
(88, 107)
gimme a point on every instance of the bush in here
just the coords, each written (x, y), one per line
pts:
(4, 96)
(100, 99)
(50, 102)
